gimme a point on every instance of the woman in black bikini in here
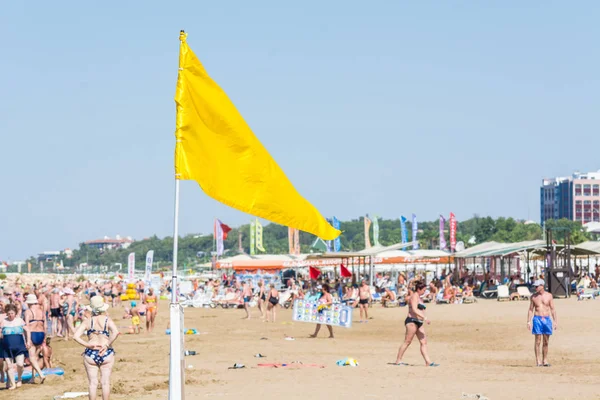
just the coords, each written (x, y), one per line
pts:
(273, 301)
(414, 323)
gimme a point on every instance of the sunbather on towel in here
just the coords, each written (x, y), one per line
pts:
(541, 307)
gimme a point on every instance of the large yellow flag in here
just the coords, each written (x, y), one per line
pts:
(216, 148)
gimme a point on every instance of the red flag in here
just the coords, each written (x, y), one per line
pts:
(314, 273)
(344, 271)
(226, 229)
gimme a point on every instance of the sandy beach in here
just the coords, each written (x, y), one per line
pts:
(483, 348)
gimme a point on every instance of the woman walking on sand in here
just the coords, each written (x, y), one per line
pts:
(14, 344)
(99, 354)
(262, 297)
(151, 301)
(414, 324)
(325, 300)
(273, 301)
(35, 321)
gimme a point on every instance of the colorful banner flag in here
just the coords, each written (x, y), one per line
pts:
(367, 228)
(404, 229)
(297, 242)
(41, 266)
(291, 232)
(259, 236)
(131, 266)
(375, 231)
(415, 231)
(29, 267)
(452, 232)
(319, 245)
(442, 237)
(240, 248)
(329, 243)
(252, 238)
(221, 231)
(149, 261)
(217, 149)
(337, 243)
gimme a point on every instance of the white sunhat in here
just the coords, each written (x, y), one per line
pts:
(31, 299)
(539, 282)
(97, 305)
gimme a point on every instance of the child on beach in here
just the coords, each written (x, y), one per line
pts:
(135, 318)
(46, 361)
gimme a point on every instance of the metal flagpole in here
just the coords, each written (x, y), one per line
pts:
(176, 358)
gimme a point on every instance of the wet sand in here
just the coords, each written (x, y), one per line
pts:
(483, 348)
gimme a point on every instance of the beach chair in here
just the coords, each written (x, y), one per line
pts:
(440, 299)
(392, 303)
(376, 297)
(229, 301)
(283, 299)
(489, 293)
(588, 294)
(524, 293)
(503, 293)
(469, 300)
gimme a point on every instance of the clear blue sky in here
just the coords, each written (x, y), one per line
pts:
(383, 107)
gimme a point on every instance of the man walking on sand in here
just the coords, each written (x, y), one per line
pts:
(541, 307)
(364, 297)
(247, 295)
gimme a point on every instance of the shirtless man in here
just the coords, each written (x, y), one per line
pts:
(71, 311)
(414, 325)
(247, 295)
(364, 297)
(539, 322)
(55, 313)
(116, 299)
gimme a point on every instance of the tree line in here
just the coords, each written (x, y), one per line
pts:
(196, 248)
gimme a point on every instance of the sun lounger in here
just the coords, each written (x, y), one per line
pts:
(503, 293)
(284, 297)
(469, 300)
(524, 293)
(392, 303)
(440, 299)
(586, 294)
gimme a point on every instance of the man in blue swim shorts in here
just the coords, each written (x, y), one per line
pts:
(541, 307)
(247, 294)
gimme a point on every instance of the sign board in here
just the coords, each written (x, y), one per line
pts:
(131, 267)
(335, 315)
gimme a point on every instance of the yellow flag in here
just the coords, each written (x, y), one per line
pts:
(216, 148)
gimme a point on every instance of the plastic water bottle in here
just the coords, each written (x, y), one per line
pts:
(49, 328)
(190, 353)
